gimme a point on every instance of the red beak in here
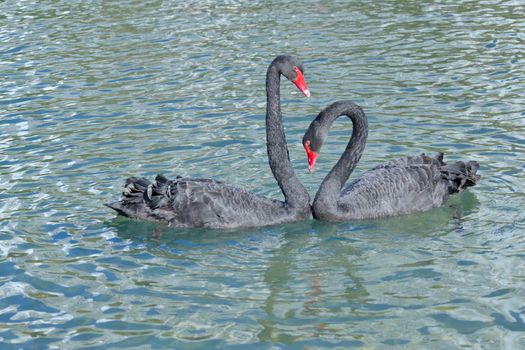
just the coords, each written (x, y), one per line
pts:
(300, 82)
(312, 156)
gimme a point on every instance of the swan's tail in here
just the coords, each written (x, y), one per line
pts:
(460, 175)
(132, 200)
(140, 196)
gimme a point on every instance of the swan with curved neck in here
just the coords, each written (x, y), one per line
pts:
(185, 202)
(402, 186)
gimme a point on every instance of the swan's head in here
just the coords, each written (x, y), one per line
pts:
(317, 132)
(313, 141)
(293, 70)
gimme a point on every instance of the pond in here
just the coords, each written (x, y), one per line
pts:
(93, 92)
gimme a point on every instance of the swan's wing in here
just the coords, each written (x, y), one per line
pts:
(195, 203)
(406, 185)
(458, 175)
(413, 160)
(200, 202)
(394, 190)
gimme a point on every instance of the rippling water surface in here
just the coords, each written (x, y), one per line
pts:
(93, 91)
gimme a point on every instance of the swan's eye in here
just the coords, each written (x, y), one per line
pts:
(297, 71)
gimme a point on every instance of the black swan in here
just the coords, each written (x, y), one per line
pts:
(186, 202)
(401, 186)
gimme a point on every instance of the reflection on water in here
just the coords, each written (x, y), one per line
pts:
(92, 93)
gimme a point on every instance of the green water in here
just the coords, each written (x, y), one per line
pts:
(92, 92)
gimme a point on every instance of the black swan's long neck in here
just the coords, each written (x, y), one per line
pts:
(294, 192)
(337, 177)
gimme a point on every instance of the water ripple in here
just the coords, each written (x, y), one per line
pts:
(93, 92)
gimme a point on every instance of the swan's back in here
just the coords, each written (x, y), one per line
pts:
(405, 185)
(184, 202)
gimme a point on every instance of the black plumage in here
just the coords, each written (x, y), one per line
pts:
(401, 186)
(186, 202)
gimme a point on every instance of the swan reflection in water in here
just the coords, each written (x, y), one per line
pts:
(315, 264)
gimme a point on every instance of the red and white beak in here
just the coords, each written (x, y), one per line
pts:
(300, 82)
(312, 156)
